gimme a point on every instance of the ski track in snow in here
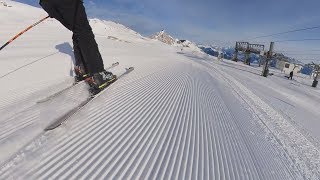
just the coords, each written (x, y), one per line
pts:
(305, 155)
(292, 102)
(170, 123)
(32, 119)
(176, 116)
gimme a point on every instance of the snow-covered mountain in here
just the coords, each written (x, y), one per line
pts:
(164, 37)
(178, 115)
(215, 50)
(286, 58)
(228, 53)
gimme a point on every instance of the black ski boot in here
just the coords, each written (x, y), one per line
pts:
(99, 81)
(80, 74)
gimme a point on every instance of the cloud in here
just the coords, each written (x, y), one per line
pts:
(91, 3)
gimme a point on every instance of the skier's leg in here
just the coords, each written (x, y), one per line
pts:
(80, 67)
(75, 19)
(71, 13)
(79, 61)
(86, 41)
(51, 8)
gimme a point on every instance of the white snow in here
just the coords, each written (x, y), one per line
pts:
(178, 115)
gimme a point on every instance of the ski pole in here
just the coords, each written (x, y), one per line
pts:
(22, 32)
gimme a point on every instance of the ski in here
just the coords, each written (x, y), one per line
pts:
(73, 111)
(71, 86)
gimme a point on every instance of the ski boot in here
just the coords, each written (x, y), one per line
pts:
(100, 81)
(80, 74)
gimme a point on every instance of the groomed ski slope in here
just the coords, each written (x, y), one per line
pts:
(178, 115)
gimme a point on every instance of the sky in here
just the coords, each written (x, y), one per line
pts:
(219, 22)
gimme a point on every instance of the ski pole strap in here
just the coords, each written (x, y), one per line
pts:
(22, 32)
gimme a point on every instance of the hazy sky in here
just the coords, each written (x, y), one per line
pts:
(216, 21)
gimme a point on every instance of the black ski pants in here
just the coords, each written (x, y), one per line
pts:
(72, 14)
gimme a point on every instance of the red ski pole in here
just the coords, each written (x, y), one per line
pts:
(22, 32)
